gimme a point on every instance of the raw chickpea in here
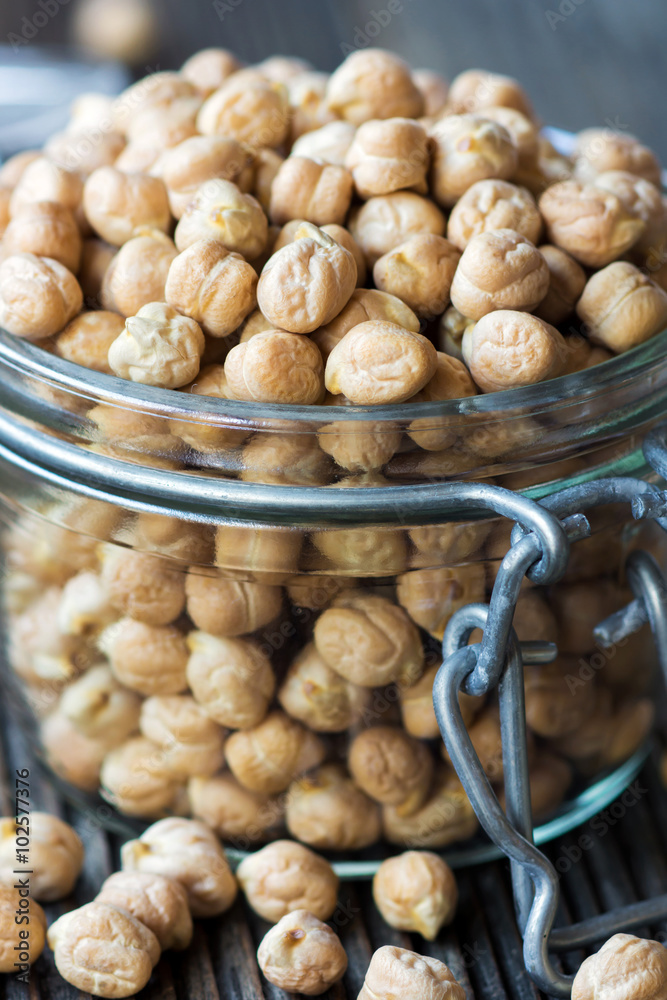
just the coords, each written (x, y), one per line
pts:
(369, 640)
(74, 757)
(137, 274)
(269, 756)
(56, 855)
(316, 592)
(419, 272)
(213, 437)
(466, 149)
(158, 347)
(43, 180)
(364, 304)
(38, 296)
(445, 818)
(116, 203)
(388, 220)
(276, 367)
(553, 707)
(359, 446)
(99, 708)
(84, 606)
(362, 551)
(143, 586)
(523, 132)
(212, 285)
(625, 966)
(13, 168)
(132, 430)
(285, 458)
(451, 381)
(598, 150)
(209, 68)
(5, 196)
(45, 229)
(451, 330)
(346, 240)
(86, 340)
(249, 108)
(317, 696)
(268, 555)
(159, 903)
(566, 283)
(103, 950)
(416, 891)
(418, 714)
(387, 156)
(34, 932)
(150, 659)
(493, 204)
(434, 90)
(266, 164)
(307, 94)
(329, 143)
(301, 954)
(253, 324)
(196, 161)
(188, 852)
(379, 362)
(510, 349)
(621, 307)
(643, 200)
(447, 543)
(476, 89)
(192, 742)
(227, 607)
(373, 83)
(96, 255)
(231, 679)
(307, 283)
(285, 876)
(169, 536)
(155, 91)
(307, 189)
(485, 737)
(391, 767)
(136, 780)
(326, 810)
(220, 211)
(84, 148)
(397, 972)
(589, 223)
(579, 607)
(282, 69)
(233, 811)
(499, 269)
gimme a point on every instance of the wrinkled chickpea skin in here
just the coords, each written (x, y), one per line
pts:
(327, 811)
(159, 903)
(38, 296)
(416, 891)
(301, 954)
(56, 855)
(286, 876)
(397, 972)
(34, 935)
(235, 813)
(624, 965)
(276, 367)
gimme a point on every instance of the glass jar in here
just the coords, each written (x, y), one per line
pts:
(235, 611)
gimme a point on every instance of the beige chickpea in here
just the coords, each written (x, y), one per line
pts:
(625, 966)
(419, 272)
(159, 903)
(432, 596)
(316, 592)
(329, 143)
(469, 148)
(5, 197)
(509, 349)
(196, 161)
(385, 221)
(307, 189)
(307, 99)
(13, 168)
(209, 68)
(84, 148)
(116, 203)
(213, 286)
(451, 381)
(295, 459)
(566, 283)
(301, 954)
(96, 255)
(643, 200)
(556, 707)
(579, 607)
(621, 307)
(249, 108)
(84, 606)
(269, 756)
(156, 129)
(285, 876)
(188, 852)
(362, 551)
(445, 818)
(327, 811)
(418, 714)
(307, 283)
(379, 362)
(398, 972)
(158, 347)
(56, 855)
(150, 659)
(493, 204)
(99, 707)
(233, 811)
(228, 607)
(373, 83)
(268, 555)
(39, 652)
(143, 586)
(499, 269)
(447, 544)
(346, 240)
(43, 180)
(77, 759)
(136, 780)
(169, 536)
(155, 91)
(276, 367)
(211, 437)
(253, 324)
(416, 891)
(231, 679)
(391, 767)
(34, 933)
(524, 134)
(137, 274)
(45, 229)
(582, 354)
(191, 741)
(451, 330)
(103, 950)
(434, 90)
(282, 69)
(475, 90)
(600, 149)
(38, 296)
(364, 304)
(389, 155)
(359, 445)
(220, 211)
(369, 640)
(588, 222)
(317, 696)
(265, 165)
(87, 338)
(133, 430)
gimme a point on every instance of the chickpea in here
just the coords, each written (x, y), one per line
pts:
(133, 430)
(77, 759)
(276, 367)
(493, 204)
(451, 381)
(329, 143)
(13, 168)
(566, 283)
(45, 229)
(268, 555)
(432, 596)
(307, 283)
(96, 255)
(416, 891)
(84, 148)
(5, 197)
(630, 726)
(475, 90)
(117, 203)
(191, 741)
(418, 714)
(468, 148)
(269, 756)
(196, 161)
(362, 551)
(282, 69)
(56, 855)
(290, 458)
(389, 155)
(249, 108)
(136, 780)
(231, 679)
(99, 708)
(301, 954)
(499, 269)
(86, 340)
(307, 99)
(150, 659)
(307, 189)
(266, 164)
(327, 811)
(579, 607)
(209, 68)
(103, 950)
(625, 966)
(317, 696)
(598, 150)
(398, 972)
(155, 91)
(159, 903)
(622, 307)
(364, 304)
(42, 180)
(391, 767)
(434, 90)
(227, 607)
(447, 543)
(554, 707)
(285, 876)
(158, 347)
(445, 818)
(220, 211)
(137, 274)
(369, 640)
(233, 811)
(362, 446)
(169, 536)
(348, 242)
(188, 852)
(510, 349)
(643, 200)
(213, 437)
(387, 220)
(38, 296)
(419, 272)
(373, 83)
(34, 931)
(143, 586)
(316, 592)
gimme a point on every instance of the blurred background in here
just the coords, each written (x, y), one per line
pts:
(584, 62)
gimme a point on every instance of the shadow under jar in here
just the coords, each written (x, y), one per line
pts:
(235, 611)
